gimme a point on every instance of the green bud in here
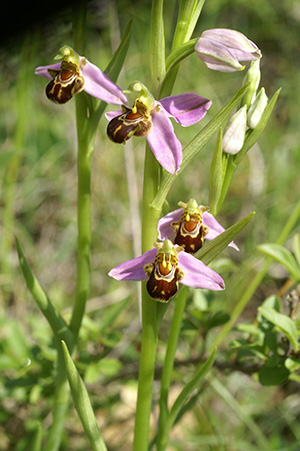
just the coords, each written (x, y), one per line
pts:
(257, 108)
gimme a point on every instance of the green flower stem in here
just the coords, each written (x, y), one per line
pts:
(250, 289)
(146, 372)
(79, 20)
(85, 153)
(157, 52)
(84, 158)
(150, 218)
(229, 171)
(180, 303)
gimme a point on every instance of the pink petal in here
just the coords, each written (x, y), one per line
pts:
(231, 39)
(186, 109)
(43, 70)
(216, 56)
(198, 275)
(133, 269)
(98, 85)
(164, 143)
(111, 114)
(164, 224)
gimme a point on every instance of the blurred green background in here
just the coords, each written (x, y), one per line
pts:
(38, 205)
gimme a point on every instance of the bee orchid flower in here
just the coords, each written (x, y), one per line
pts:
(142, 115)
(189, 225)
(74, 74)
(164, 267)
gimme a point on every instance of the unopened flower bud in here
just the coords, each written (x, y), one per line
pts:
(234, 135)
(223, 50)
(257, 108)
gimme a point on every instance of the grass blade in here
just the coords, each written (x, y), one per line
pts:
(57, 323)
(83, 404)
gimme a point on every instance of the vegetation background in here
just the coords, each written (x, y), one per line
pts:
(38, 205)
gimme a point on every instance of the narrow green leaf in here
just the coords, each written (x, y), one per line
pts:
(282, 256)
(213, 248)
(216, 175)
(114, 67)
(83, 404)
(180, 53)
(58, 325)
(202, 138)
(296, 247)
(191, 386)
(283, 322)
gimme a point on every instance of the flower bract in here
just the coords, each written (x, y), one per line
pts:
(142, 115)
(74, 74)
(164, 267)
(189, 225)
(223, 50)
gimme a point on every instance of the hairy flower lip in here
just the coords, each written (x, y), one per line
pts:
(165, 229)
(196, 273)
(223, 49)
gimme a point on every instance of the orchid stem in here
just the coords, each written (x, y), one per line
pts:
(149, 312)
(84, 158)
(163, 432)
(150, 216)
